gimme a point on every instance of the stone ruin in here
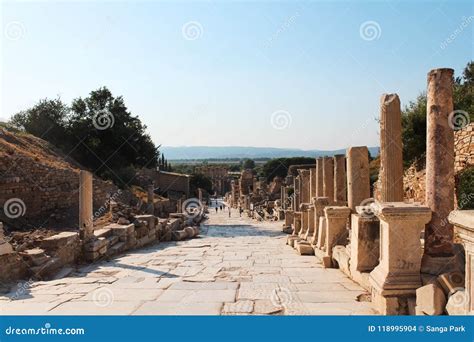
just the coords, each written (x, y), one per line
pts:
(404, 253)
(123, 229)
(255, 197)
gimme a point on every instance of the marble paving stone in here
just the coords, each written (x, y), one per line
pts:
(237, 266)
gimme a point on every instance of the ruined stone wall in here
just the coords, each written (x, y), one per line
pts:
(166, 181)
(414, 181)
(464, 147)
(31, 172)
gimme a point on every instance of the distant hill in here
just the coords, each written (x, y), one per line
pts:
(229, 152)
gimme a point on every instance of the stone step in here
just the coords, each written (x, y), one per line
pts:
(120, 230)
(116, 248)
(103, 232)
(59, 240)
(35, 256)
(47, 269)
(112, 240)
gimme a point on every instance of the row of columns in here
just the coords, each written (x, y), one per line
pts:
(384, 242)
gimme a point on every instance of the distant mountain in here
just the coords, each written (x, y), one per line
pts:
(232, 152)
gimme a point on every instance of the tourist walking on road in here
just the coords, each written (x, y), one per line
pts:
(229, 211)
(216, 209)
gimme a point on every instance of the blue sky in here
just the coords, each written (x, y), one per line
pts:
(320, 66)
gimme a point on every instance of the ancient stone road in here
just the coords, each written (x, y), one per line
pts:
(238, 266)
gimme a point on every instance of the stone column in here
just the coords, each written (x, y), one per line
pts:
(328, 178)
(150, 199)
(336, 232)
(283, 197)
(319, 178)
(398, 274)
(391, 156)
(86, 218)
(296, 194)
(305, 186)
(312, 176)
(358, 176)
(439, 163)
(340, 177)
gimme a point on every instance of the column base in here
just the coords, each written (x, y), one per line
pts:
(326, 261)
(398, 304)
(304, 248)
(392, 294)
(291, 240)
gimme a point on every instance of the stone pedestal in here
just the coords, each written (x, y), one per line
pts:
(336, 231)
(311, 223)
(289, 218)
(304, 219)
(340, 177)
(365, 243)
(296, 229)
(328, 178)
(358, 176)
(319, 178)
(391, 160)
(319, 203)
(302, 245)
(397, 276)
(463, 221)
(86, 219)
(439, 163)
(320, 244)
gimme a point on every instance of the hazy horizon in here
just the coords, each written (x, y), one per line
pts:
(305, 75)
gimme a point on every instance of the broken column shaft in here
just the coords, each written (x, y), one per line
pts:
(391, 156)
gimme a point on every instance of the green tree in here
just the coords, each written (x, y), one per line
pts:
(200, 181)
(47, 120)
(279, 167)
(97, 131)
(414, 130)
(414, 116)
(248, 164)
